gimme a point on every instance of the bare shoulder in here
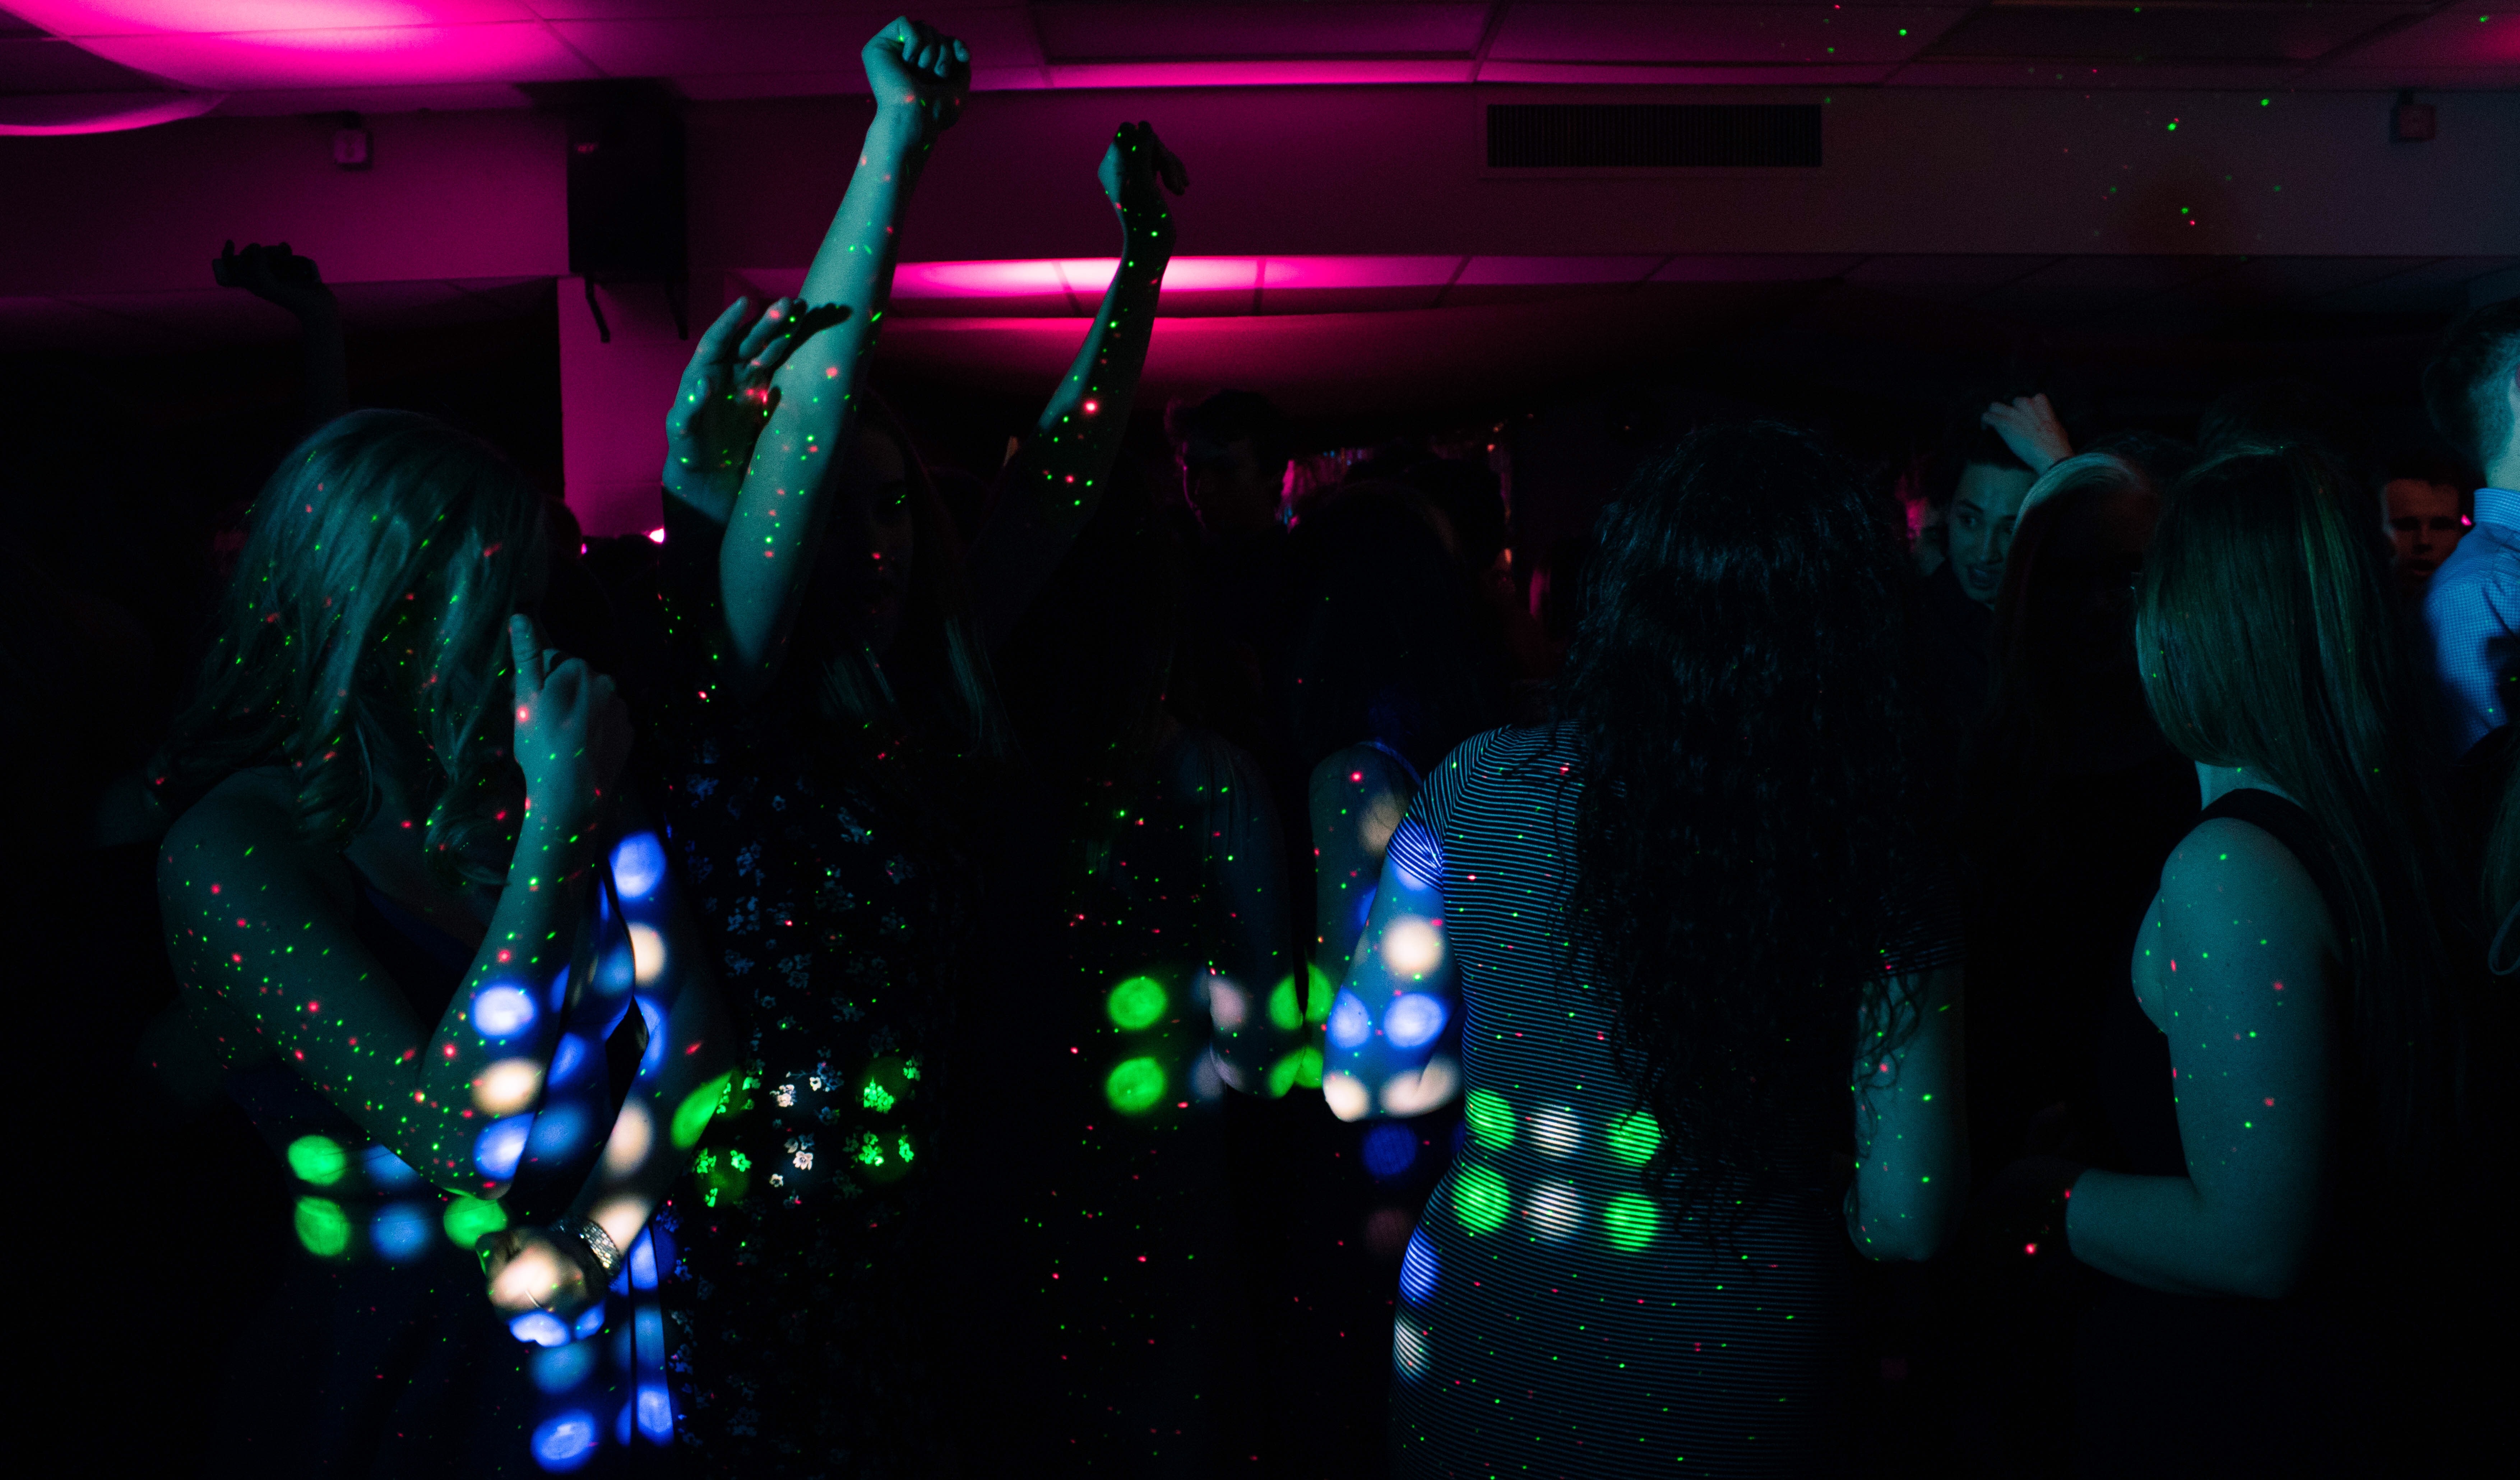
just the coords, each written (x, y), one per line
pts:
(1359, 770)
(2232, 878)
(248, 822)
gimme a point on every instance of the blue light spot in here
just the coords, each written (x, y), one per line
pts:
(560, 990)
(1350, 1022)
(655, 1017)
(557, 1131)
(1389, 1150)
(570, 1056)
(386, 1172)
(638, 866)
(540, 1328)
(400, 1231)
(618, 970)
(501, 1146)
(565, 1443)
(643, 1264)
(503, 1012)
(1418, 1270)
(562, 1367)
(1413, 1021)
(655, 1412)
(649, 1323)
(622, 1421)
(590, 1321)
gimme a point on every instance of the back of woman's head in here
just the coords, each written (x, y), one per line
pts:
(2270, 639)
(364, 637)
(2063, 620)
(1389, 645)
(1740, 690)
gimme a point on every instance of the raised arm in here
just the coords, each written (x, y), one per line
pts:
(1911, 1124)
(275, 275)
(2244, 1011)
(1395, 1025)
(779, 519)
(259, 931)
(1051, 488)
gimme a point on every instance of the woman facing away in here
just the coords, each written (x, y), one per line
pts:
(1674, 947)
(837, 761)
(440, 959)
(2292, 1234)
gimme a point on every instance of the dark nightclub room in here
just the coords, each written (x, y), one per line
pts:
(1775, 734)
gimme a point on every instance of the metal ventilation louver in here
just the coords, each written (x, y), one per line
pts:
(1653, 135)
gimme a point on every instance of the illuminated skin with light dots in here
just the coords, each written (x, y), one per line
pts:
(379, 715)
(2233, 967)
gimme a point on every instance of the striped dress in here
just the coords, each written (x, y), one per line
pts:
(1556, 1320)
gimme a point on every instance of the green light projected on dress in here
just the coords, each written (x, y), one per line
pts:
(1135, 1086)
(1317, 995)
(1308, 1067)
(1281, 1074)
(1491, 1120)
(317, 1160)
(1634, 1138)
(1137, 1003)
(1285, 1011)
(469, 1218)
(321, 1226)
(1631, 1221)
(693, 1116)
(1480, 1200)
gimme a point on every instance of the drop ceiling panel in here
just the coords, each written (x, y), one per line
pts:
(2216, 33)
(2238, 76)
(2483, 34)
(1142, 32)
(1633, 74)
(37, 64)
(1807, 34)
(509, 52)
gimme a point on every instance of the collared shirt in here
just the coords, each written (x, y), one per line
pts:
(2473, 610)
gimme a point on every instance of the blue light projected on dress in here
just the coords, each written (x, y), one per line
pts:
(401, 1232)
(1418, 1270)
(654, 1056)
(1351, 1024)
(1389, 1150)
(560, 990)
(643, 1263)
(386, 1172)
(540, 1328)
(501, 1146)
(638, 866)
(562, 1367)
(567, 1442)
(1413, 1020)
(503, 1012)
(590, 1321)
(571, 1055)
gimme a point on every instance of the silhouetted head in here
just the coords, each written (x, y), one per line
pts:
(2473, 389)
(1231, 449)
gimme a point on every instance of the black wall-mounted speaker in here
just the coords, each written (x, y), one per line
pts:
(627, 210)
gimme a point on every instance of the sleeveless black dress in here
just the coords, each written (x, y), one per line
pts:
(2184, 1384)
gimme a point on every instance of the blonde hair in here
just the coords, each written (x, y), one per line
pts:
(365, 634)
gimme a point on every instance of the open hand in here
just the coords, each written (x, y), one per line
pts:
(572, 729)
(2029, 426)
(528, 1270)
(726, 398)
(1132, 168)
(919, 73)
(273, 274)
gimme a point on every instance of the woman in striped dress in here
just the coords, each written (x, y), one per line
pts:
(1675, 948)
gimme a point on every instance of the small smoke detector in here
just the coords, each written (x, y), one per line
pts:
(2411, 122)
(350, 143)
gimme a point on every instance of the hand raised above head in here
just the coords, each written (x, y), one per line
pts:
(1136, 172)
(726, 397)
(2030, 427)
(918, 71)
(274, 273)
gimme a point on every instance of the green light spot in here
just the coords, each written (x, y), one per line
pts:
(317, 1160)
(697, 1106)
(1631, 1221)
(1281, 1074)
(2263, 102)
(869, 1150)
(877, 1099)
(1137, 1003)
(1491, 1120)
(1285, 1012)
(469, 1218)
(2173, 128)
(1308, 1067)
(1480, 1200)
(1317, 996)
(1135, 1086)
(903, 1146)
(322, 1228)
(1634, 1138)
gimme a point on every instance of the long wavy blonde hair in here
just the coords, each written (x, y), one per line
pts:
(363, 636)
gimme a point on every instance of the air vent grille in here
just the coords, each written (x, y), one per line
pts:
(1653, 135)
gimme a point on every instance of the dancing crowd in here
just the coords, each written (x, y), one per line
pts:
(872, 983)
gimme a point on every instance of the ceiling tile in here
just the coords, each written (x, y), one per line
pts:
(1290, 72)
(2239, 76)
(2465, 35)
(1102, 32)
(513, 52)
(1483, 272)
(42, 65)
(1731, 33)
(1631, 75)
(2216, 33)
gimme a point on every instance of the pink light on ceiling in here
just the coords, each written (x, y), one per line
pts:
(34, 115)
(249, 44)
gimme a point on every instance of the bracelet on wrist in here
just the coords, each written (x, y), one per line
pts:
(590, 1236)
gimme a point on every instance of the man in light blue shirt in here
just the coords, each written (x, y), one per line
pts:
(2473, 389)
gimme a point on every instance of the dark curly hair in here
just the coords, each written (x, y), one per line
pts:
(1754, 801)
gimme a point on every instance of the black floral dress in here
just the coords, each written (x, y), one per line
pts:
(803, 1294)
